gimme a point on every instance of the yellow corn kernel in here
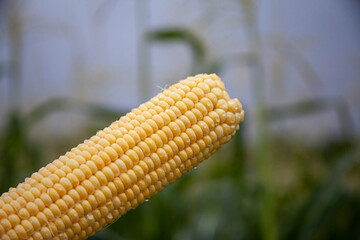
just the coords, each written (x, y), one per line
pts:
(123, 165)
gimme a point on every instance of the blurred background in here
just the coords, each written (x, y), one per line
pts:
(69, 68)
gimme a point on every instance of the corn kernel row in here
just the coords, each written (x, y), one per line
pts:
(140, 190)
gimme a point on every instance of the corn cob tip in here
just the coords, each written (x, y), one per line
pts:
(124, 164)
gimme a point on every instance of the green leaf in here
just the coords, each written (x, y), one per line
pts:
(59, 104)
(323, 204)
(316, 106)
(183, 36)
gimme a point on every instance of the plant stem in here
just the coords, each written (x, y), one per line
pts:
(15, 28)
(143, 56)
(262, 142)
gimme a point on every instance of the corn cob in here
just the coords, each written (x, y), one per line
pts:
(124, 164)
